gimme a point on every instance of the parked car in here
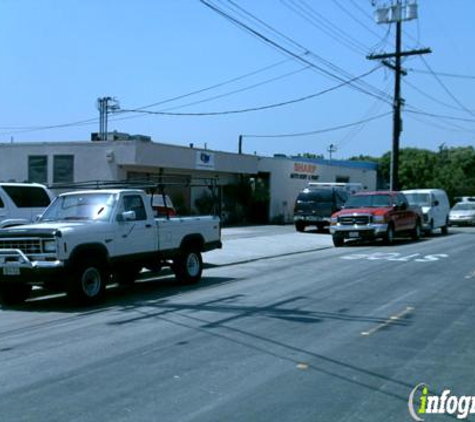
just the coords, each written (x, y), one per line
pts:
(22, 203)
(314, 206)
(158, 205)
(85, 237)
(462, 213)
(435, 208)
(373, 215)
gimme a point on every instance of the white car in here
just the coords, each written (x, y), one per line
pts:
(462, 213)
(22, 203)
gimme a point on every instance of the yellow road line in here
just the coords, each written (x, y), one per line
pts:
(389, 321)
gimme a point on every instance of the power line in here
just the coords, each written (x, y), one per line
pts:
(448, 75)
(314, 132)
(444, 87)
(247, 110)
(27, 129)
(323, 24)
(441, 116)
(236, 91)
(425, 94)
(284, 50)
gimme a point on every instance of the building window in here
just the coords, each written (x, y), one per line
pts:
(38, 168)
(63, 169)
(342, 179)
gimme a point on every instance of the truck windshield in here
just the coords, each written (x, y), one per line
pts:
(364, 201)
(91, 206)
(421, 199)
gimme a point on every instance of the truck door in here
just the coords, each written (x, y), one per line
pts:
(406, 220)
(135, 236)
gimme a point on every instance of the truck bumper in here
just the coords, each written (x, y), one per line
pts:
(369, 231)
(16, 267)
(311, 219)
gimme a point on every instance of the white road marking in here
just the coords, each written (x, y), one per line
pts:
(395, 257)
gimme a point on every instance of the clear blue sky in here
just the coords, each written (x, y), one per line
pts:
(59, 56)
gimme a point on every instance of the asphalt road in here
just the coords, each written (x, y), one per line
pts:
(327, 334)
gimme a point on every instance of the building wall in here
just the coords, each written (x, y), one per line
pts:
(114, 160)
(92, 160)
(288, 176)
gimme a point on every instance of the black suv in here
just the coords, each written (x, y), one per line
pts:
(314, 207)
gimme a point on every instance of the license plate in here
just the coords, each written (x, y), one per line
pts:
(11, 271)
(353, 234)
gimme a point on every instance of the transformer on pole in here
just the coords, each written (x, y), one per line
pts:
(397, 12)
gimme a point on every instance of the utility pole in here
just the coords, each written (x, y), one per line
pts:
(240, 144)
(105, 105)
(397, 13)
(331, 149)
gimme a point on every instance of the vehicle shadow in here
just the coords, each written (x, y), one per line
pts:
(147, 289)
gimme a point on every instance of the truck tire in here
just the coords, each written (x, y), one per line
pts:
(389, 235)
(188, 266)
(338, 241)
(14, 294)
(87, 284)
(430, 231)
(445, 229)
(300, 226)
(416, 232)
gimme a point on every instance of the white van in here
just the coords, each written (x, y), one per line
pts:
(435, 207)
(21, 203)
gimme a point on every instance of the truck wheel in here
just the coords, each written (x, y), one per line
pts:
(14, 294)
(88, 282)
(389, 236)
(299, 226)
(416, 232)
(188, 266)
(445, 229)
(338, 241)
(430, 231)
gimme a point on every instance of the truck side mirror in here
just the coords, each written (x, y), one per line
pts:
(126, 216)
(436, 203)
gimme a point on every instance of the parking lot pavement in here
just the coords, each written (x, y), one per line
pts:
(252, 243)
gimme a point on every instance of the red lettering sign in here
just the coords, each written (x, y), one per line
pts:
(305, 168)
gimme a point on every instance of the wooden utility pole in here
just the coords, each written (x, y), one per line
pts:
(397, 11)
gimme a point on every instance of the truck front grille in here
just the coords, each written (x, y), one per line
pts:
(29, 246)
(354, 219)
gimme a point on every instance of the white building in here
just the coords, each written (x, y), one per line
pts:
(69, 162)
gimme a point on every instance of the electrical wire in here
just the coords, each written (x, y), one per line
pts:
(320, 22)
(363, 25)
(448, 75)
(284, 50)
(247, 88)
(444, 87)
(247, 110)
(314, 132)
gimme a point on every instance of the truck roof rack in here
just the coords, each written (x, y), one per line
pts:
(153, 185)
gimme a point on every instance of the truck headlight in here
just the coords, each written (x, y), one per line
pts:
(378, 218)
(49, 246)
(333, 220)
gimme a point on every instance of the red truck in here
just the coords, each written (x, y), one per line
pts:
(375, 215)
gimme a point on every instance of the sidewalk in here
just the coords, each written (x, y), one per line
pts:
(242, 250)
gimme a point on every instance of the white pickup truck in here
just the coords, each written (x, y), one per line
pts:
(85, 240)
